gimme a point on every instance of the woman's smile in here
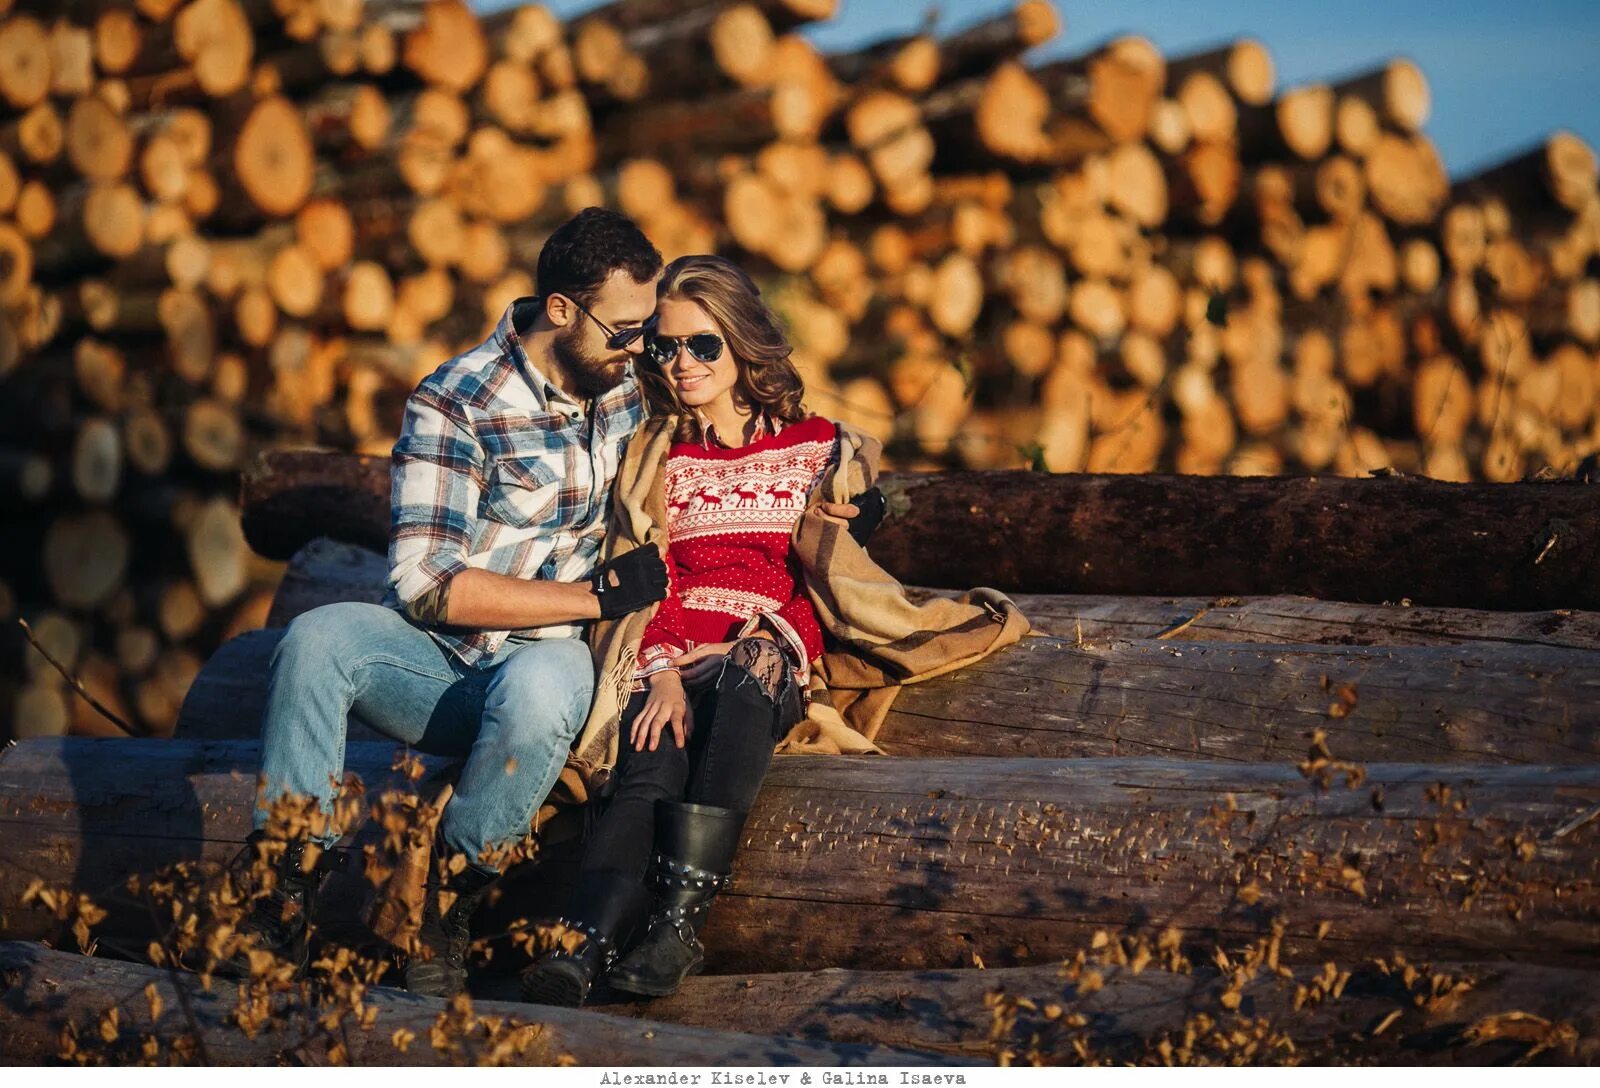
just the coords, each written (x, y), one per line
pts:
(703, 386)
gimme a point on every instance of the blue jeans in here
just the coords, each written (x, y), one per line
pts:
(513, 720)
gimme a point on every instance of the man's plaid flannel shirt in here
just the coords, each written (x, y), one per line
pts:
(497, 469)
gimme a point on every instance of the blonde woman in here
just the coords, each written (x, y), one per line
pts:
(720, 673)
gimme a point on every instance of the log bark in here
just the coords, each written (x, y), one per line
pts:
(980, 47)
(270, 170)
(741, 120)
(782, 14)
(1545, 183)
(1054, 698)
(888, 863)
(325, 571)
(1364, 540)
(46, 991)
(348, 495)
(1516, 547)
(1117, 86)
(1051, 698)
(1252, 620)
(1299, 122)
(1397, 92)
(1244, 66)
(672, 55)
(1133, 1011)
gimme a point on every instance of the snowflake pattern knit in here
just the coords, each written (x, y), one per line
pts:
(729, 516)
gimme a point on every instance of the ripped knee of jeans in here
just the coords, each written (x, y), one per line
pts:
(763, 661)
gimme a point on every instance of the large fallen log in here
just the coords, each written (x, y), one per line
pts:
(1050, 697)
(1287, 619)
(870, 862)
(325, 571)
(48, 993)
(1505, 546)
(1509, 546)
(284, 492)
(1438, 1014)
(1058, 698)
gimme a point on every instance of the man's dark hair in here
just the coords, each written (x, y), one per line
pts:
(587, 248)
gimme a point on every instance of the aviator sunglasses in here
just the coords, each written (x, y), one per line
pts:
(616, 339)
(704, 346)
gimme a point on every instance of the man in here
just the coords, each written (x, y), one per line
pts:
(500, 489)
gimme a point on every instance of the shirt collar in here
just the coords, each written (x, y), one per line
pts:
(544, 390)
(765, 425)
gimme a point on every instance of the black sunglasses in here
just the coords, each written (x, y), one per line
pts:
(705, 346)
(616, 339)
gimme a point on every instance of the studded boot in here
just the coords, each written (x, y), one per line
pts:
(695, 845)
(606, 911)
(438, 965)
(280, 917)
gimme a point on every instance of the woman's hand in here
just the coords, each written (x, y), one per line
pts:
(667, 704)
(700, 665)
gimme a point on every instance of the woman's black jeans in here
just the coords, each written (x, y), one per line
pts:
(737, 722)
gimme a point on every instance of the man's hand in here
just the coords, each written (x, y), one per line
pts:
(630, 582)
(667, 704)
(864, 514)
(873, 506)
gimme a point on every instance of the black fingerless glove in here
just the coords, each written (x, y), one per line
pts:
(630, 582)
(872, 505)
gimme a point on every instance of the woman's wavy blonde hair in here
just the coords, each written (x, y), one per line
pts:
(767, 379)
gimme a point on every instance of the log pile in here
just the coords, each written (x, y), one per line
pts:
(230, 225)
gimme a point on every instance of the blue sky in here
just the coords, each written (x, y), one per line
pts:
(1503, 74)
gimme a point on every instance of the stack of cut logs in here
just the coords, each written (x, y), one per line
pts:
(229, 224)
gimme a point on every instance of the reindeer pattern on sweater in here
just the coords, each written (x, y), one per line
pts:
(730, 513)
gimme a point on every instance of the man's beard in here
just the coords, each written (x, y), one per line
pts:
(590, 376)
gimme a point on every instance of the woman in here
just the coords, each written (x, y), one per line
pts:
(719, 674)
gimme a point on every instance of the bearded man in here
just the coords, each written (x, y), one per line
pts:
(501, 483)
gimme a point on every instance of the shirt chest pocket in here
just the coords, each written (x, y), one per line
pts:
(523, 491)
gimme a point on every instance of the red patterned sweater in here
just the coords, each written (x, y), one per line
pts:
(729, 516)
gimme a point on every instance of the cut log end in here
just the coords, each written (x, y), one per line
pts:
(273, 159)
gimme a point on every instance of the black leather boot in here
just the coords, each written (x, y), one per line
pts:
(280, 917)
(607, 908)
(438, 965)
(695, 845)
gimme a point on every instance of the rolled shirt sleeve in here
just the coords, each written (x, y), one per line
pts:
(796, 627)
(663, 643)
(436, 485)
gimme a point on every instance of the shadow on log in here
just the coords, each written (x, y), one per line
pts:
(45, 990)
(899, 863)
(1444, 1014)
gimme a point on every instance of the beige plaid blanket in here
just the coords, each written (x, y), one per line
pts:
(880, 638)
